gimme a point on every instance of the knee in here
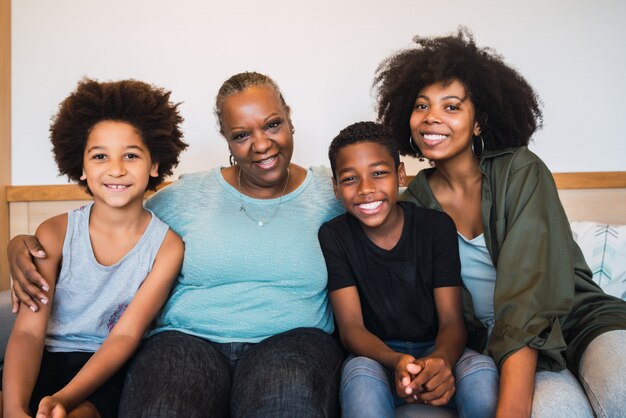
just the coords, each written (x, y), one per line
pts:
(472, 362)
(362, 367)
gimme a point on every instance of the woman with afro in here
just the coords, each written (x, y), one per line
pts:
(558, 340)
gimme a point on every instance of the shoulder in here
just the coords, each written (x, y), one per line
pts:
(172, 195)
(172, 246)
(322, 178)
(425, 216)
(517, 160)
(335, 229)
(51, 234)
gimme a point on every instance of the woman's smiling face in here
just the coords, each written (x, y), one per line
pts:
(443, 121)
(258, 129)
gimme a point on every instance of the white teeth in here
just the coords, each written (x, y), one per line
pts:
(434, 137)
(267, 163)
(117, 186)
(371, 205)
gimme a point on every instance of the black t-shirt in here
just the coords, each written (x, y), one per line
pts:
(396, 286)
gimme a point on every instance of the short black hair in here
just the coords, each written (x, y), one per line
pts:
(363, 132)
(146, 107)
(507, 108)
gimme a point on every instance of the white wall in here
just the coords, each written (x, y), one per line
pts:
(323, 55)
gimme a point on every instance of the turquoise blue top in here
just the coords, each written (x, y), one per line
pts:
(241, 281)
(479, 276)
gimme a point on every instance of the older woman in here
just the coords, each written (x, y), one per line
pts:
(472, 115)
(246, 331)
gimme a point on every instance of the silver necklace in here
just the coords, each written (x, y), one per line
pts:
(243, 209)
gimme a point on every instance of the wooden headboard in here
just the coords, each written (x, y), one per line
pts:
(593, 196)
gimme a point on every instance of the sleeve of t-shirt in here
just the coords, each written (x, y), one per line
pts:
(446, 263)
(340, 273)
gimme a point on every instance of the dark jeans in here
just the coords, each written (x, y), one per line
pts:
(293, 374)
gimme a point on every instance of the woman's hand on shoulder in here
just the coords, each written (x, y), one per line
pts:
(29, 285)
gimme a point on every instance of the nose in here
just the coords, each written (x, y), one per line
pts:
(117, 168)
(366, 186)
(432, 116)
(261, 142)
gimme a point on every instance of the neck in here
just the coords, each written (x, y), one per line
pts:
(129, 218)
(388, 234)
(257, 191)
(458, 173)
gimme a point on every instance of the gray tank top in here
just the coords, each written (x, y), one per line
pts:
(89, 297)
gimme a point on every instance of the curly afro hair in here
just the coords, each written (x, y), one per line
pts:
(363, 132)
(146, 107)
(506, 107)
(238, 83)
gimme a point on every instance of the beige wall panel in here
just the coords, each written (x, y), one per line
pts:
(40, 211)
(18, 214)
(600, 205)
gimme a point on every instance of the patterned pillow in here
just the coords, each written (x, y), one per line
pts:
(604, 248)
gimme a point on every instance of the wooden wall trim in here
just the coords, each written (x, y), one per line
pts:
(591, 180)
(51, 193)
(5, 135)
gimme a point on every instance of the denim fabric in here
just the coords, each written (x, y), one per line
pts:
(600, 390)
(176, 375)
(559, 394)
(603, 374)
(293, 374)
(367, 388)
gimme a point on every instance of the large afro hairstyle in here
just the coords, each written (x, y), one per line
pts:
(146, 107)
(506, 107)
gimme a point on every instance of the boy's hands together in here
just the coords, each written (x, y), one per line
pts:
(426, 380)
(50, 407)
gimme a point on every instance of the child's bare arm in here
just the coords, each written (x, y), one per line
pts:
(358, 340)
(26, 343)
(434, 382)
(128, 332)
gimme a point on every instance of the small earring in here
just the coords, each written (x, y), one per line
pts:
(293, 130)
(475, 145)
(231, 159)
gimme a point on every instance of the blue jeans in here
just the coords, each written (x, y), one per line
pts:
(293, 374)
(600, 388)
(368, 389)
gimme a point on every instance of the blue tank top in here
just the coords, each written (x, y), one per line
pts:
(479, 276)
(89, 298)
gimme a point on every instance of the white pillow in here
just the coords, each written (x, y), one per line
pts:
(604, 248)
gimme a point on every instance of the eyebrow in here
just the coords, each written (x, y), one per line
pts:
(99, 147)
(445, 97)
(374, 164)
(267, 118)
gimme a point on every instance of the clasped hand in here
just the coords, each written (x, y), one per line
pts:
(427, 380)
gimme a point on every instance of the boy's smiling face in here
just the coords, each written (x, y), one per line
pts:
(366, 181)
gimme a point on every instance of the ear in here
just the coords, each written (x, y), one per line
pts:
(401, 175)
(83, 176)
(335, 189)
(154, 170)
(477, 129)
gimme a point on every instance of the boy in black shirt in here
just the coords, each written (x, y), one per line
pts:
(395, 286)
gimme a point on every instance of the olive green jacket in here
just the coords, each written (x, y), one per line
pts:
(544, 296)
